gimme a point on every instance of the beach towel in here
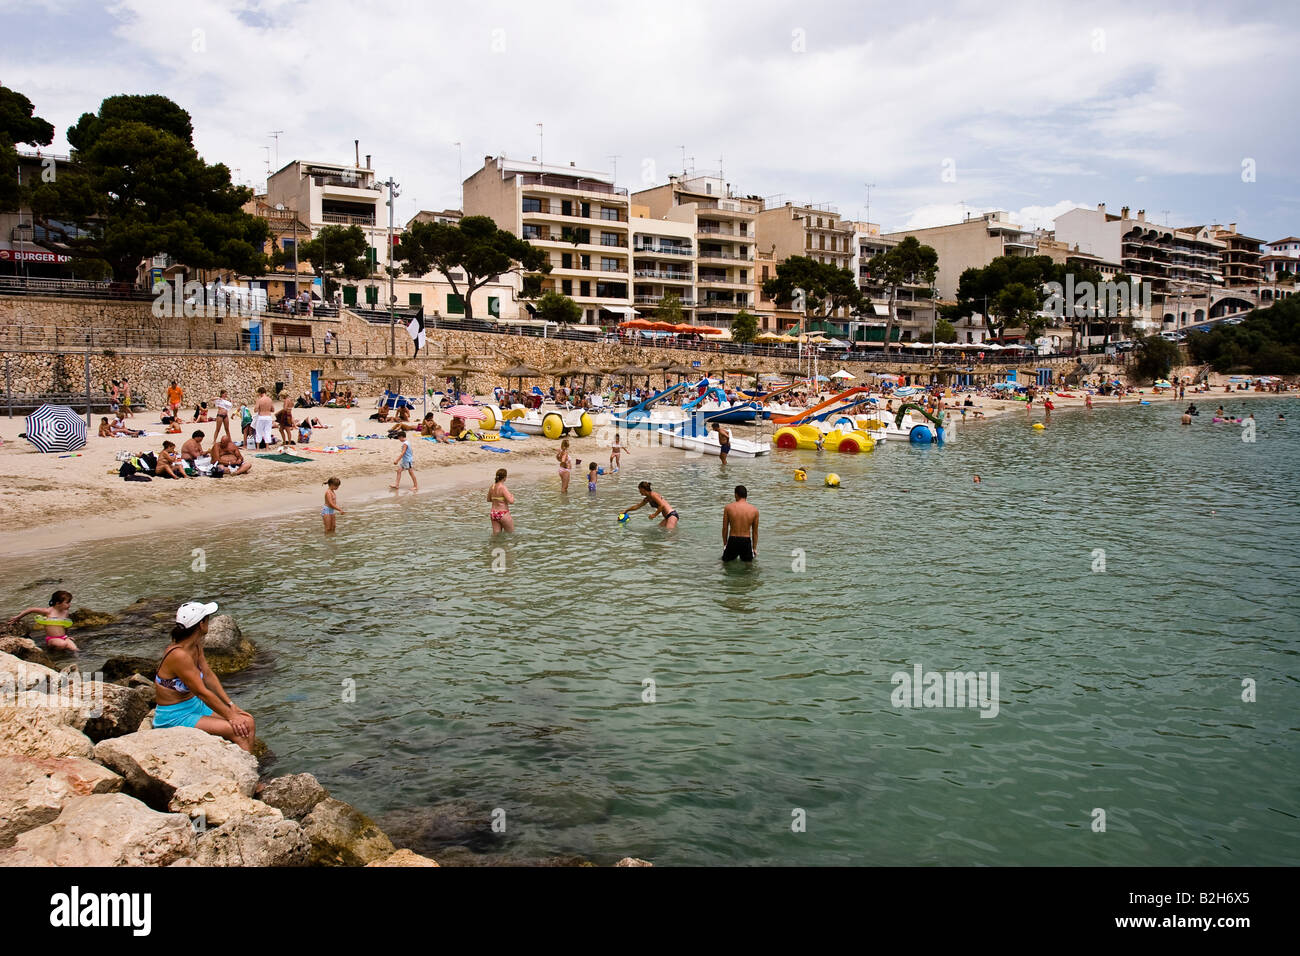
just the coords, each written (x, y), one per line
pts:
(284, 457)
(504, 451)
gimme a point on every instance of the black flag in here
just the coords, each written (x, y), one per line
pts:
(532, 310)
(416, 329)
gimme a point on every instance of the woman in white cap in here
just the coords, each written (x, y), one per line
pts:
(188, 692)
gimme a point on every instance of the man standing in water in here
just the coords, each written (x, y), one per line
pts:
(740, 528)
(724, 441)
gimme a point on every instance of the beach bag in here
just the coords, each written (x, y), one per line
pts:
(138, 477)
(203, 465)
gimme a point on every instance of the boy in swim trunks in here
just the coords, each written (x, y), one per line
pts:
(724, 441)
(54, 619)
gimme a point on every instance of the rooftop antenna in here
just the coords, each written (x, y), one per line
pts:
(720, 174)
(275, 135)
(870, 186)
(460, 174)
(615, 161)
(540, 159)
(268, 161)
(683, 149)
(1166, 212)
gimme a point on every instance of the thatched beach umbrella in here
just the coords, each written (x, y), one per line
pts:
(521, 372)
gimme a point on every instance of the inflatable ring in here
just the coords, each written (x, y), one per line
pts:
(585, 425)
(552, 425)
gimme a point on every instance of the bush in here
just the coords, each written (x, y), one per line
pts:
(1154, 357)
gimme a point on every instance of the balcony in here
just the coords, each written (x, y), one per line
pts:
(347, 182)
(656, 274)
(547, 207)
(712, 230)
(661, 250)
(728, 256)
(342, 220)
(657, 299)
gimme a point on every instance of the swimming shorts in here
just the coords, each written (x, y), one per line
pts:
(185, 714)
(327, 510)
(725, 449)
(738, 547)
(591, 486)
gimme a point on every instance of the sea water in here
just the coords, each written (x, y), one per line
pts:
(1125, 586)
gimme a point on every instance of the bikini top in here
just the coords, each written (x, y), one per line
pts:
(175, 683)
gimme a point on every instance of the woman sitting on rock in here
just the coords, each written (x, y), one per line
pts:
(188, 692)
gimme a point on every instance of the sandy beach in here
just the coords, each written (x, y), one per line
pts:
(48, 503)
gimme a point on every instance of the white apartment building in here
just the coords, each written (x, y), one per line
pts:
(973, 243)
(663, 262)
(913, 305)
(578, 216)
(723, 225)
(1279, 257)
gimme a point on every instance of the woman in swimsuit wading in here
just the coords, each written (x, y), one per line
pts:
(566, 465)
(188, 692)
(499, 501)
(651, 497)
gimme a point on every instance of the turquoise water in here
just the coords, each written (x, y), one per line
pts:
(522, 690)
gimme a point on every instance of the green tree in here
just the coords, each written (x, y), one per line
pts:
(337, 252)
(18, 124)
(554, 307)
(474, 246)
(138, 188)
(744, 327)
(1012, 306)
(670, 309)
(826, 288)
(1266, 342)
(944, 331)
(908, 263)
(1154, 357)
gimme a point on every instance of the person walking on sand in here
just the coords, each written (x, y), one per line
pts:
(264, 420)
(224, 407)
(405, 462)
(126, 400)
(615, 454)
(499, 501)
(724, 441)
(651, 497)
(740, 528)
(331, 504)
(54, 619)
(566, 465)
(175, 395)
(188, 693)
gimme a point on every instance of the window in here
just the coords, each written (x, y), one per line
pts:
(607, 213)
(586, 210)
(455, 304)
(566, 260)
(765, 275)
(415, 299)
(609, 239)
(532, 232)
(494, 306)
(566, 207)
(608, 264)
(586, 261)
(349, 295)
(532, 205)
(372, 295)
(584, 288)
(566, 286)
(372, 256)
(744, 275)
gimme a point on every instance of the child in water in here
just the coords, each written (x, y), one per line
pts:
(405, 462)
(54, 619)
(332, 504)
(615, 454)
(591, 476)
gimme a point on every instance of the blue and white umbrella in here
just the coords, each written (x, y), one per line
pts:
(56, 428)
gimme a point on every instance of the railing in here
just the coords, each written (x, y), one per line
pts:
(559, 181)
(652, 274)
(710, 254)
(77, 288)
(341, 219)
(351, 182)
(575, 212)
(656, 299)
(684, 250)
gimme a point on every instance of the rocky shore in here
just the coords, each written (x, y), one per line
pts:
(85, 780)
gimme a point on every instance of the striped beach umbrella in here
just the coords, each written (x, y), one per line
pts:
(56, 428)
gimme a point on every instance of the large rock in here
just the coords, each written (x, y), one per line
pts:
(157, 763)
(43, 732)
(225, 647)
(33, 790)
(633, 861)
(254, 840)
(216, 801)
(295, 795)
(109, 829)
(122, 710)
(17, 674)
(342, 835)
(23, 648)
(119, 669)
(85, 618)
(405, 858)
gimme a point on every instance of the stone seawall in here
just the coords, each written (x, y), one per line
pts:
(45, 344)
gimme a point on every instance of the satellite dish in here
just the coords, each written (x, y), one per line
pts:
(280, 206)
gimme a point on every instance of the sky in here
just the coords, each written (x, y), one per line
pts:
(1184, 109)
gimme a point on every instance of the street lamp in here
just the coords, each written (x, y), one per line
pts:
(392, 297)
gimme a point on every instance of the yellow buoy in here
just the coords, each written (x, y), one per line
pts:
(1039, 425)
(832, 480)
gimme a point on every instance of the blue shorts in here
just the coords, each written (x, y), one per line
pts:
(184, 714)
